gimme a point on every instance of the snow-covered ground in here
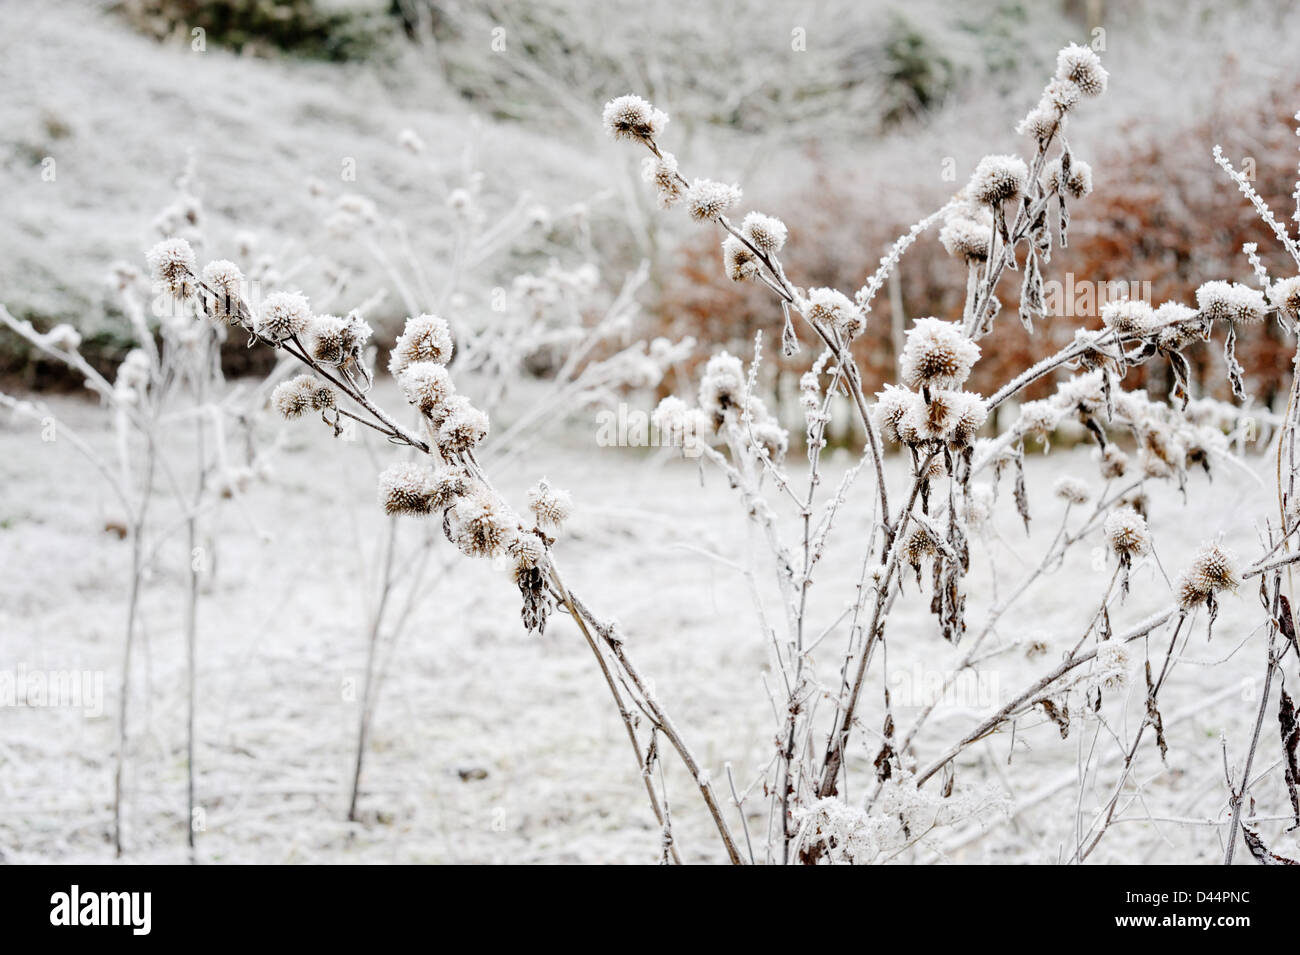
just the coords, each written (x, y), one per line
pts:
(494, 746)
(491, 745)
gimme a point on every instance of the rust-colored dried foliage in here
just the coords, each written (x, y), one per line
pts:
(1162, 220)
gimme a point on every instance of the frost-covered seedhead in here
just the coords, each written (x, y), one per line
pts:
(833, 309)
(901, 814)
(407, 488)
(966, 238)
(707, 199)
(449, 484)
(1127, 533)
(410, 140)
(462, 427)
(1084, 394)
(1062, 95)
(937, 354)
(631, 117)
(1179, 326)
(358, 207)
(661, 172)
(527, 550)
(1040, 123)
(425, 338)
(1214, 569)
(670, 419)
(968, 412)
(891, 405)
(1128, 316)
(1232, 301)
(1111, 665)
(284, 314)
(767, 233)
(1038, 418)
(122, 275)
(1112, 462)
(1082, 66)
(949, 416)
(231, 482)
(550, 506)
(461, 202)
(1072, 491)
(762, 431)
(998, 179)
(133, 375)
(1285, 293)
(979, 505)
(848, 832)
(173, 264)
(1162, 451)
(738, 260)
(297, 396)
(326, 339)
(426, 385)
(917, 544)
(482, 526)
(722, 387)
(1076, 185)
(1203, 443)
(352, 337)
(771, 438)
(225, 279)
(918, 423)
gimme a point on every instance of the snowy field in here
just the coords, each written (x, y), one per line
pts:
(491, 745)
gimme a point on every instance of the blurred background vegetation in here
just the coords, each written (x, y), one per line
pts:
(840, 116)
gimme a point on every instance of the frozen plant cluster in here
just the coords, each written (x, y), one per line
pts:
(828, 726)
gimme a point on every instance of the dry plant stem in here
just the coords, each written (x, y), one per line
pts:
(1137, 739)
(1050, 363)
(94, 380)
(192, 604)
(395, 430)
(740, 811)
(628, 720)
(1001, 716)
(132, 624)
(191, 628)
(1286, 439)
(1022, 222)
(804, 580)
(1238, 799)
(834, 758)
(662, 721)
(376, 619)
